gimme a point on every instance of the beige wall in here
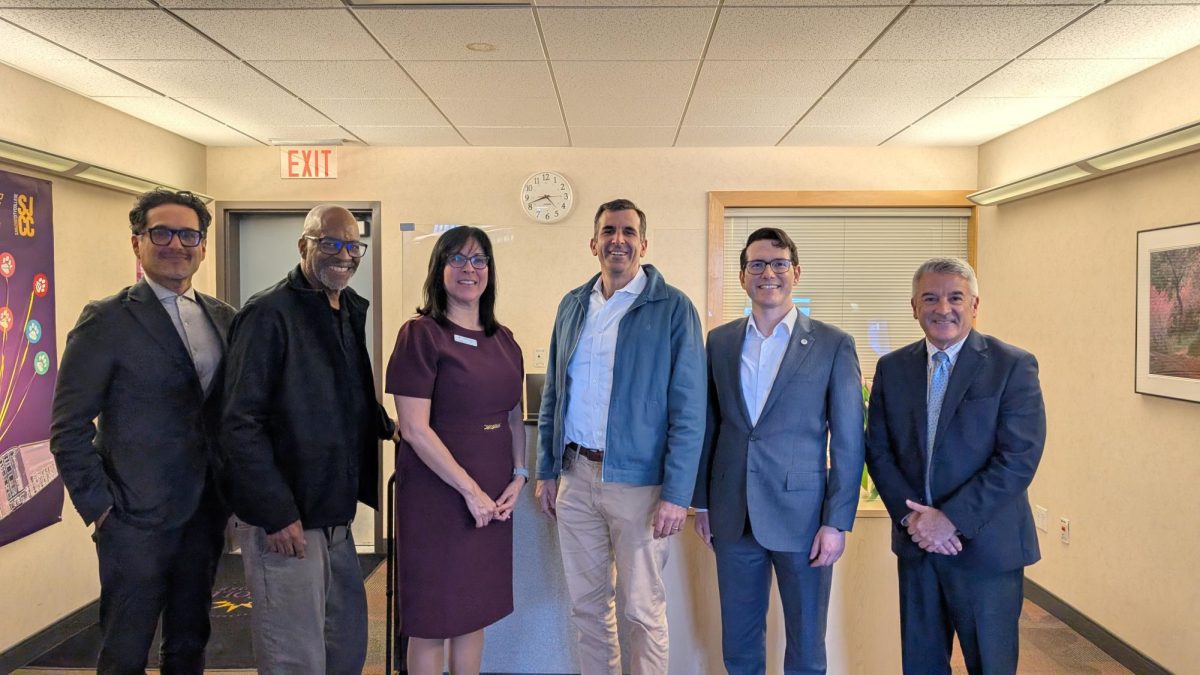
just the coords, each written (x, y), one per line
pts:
(1057, 273)
(52, 573)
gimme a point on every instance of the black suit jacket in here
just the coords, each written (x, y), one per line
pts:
(131, 427)
(989, 440)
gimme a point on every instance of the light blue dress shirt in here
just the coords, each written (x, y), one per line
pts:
(761, 358)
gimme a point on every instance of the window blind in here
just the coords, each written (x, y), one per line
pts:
(856, 266)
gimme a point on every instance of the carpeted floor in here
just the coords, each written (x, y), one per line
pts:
(1048, 646)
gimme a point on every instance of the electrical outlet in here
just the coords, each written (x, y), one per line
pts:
(1064, 530)
(539, 358)
(1039, 517)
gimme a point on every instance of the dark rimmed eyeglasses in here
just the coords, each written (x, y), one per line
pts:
(459, 261)
(331, 246)
(162, 236)
(778, 266)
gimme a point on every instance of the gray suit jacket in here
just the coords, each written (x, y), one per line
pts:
(776, 470)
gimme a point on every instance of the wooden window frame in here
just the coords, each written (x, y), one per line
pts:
(718, 201)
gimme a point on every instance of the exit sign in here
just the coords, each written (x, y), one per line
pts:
(308, 162)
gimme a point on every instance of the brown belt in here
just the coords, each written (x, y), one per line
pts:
(586, 453)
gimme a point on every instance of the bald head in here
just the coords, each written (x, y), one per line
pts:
(329, 271)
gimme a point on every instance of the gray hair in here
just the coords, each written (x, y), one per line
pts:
(955, 266)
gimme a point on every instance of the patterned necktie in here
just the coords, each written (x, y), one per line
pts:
(937, 393)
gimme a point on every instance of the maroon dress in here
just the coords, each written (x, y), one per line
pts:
(454, 578)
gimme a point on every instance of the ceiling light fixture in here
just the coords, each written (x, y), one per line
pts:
(1156, 148)
(80, 171)
(296, 142)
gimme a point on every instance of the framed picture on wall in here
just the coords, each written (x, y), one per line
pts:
(1168, 312)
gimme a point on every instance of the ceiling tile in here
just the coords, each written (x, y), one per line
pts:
(626, 34)
(30, 53)
(627, 3)
(826, 136)
(243, 113)
(117, 33)
(622, 137)
(730, 136)
(286, 34)
(981, 112)
(379, 112)
(410, 136)
(299, 134)
(767, 79)
(620, 111)
(798, 3)
(952, 33)
(178, 118)
(760, 112)
(1006, 2)
(80, 76)
(546, 137)
(870, 112)
(502, 112)
(249, 4)
(1056, 77)
(442, 34)
(797, 32)
(81, 4)
(198, 79)
(641, 79)
(482, 79)
(1130, 32)
(341, 79)
(911, 79)
(924, 134)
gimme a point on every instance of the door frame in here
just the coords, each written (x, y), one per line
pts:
(229, 290)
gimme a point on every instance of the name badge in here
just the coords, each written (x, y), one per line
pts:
(466, 340)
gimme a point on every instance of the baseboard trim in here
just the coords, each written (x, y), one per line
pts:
(1122, 652)
(22, 653)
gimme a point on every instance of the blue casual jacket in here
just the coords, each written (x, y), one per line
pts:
(656, 415)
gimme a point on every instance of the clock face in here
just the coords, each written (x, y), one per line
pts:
(547, 197)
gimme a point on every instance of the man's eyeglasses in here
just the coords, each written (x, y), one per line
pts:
(778, 266)
(459, 261)
(161, 236)
(331, 246)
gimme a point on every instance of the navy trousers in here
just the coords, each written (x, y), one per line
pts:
(939, 598)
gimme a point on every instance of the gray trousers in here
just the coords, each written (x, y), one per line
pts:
(309, 615)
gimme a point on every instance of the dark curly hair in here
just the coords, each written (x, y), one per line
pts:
(160, 196)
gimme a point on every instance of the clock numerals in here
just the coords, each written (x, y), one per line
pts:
(547, 197)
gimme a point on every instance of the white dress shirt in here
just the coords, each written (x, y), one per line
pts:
(761, 357)
(590, 371)
(199, 336)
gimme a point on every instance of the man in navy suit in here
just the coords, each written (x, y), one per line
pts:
(956, 429)
(134, 435)
(782, 388)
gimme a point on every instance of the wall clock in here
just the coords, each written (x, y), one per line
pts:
(547, 197)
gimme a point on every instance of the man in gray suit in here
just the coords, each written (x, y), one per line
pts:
(782, 388)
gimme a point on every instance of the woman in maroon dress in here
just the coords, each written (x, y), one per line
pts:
(456, 374)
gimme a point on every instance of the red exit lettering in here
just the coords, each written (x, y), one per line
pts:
(308, 163)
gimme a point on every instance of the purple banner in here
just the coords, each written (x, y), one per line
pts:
(31, 493)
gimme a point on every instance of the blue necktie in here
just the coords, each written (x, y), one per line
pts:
(937, 393)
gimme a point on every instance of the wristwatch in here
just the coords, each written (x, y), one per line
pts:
(522, 472)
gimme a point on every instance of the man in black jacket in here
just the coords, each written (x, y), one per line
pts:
(299, 429)
(144, 363)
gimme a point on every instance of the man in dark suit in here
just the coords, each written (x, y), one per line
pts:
(956, 429)
(782, 389)
(134, 441)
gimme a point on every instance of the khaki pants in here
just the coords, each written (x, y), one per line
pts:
(600, 524)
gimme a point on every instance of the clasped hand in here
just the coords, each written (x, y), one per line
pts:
(932, 530)
(484, 509)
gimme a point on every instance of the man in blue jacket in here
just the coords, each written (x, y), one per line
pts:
(621, 426)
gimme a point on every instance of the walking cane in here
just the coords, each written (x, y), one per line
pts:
(390, 666)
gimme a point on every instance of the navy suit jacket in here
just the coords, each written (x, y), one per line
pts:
(989, 440)
(131, 427)
(776, 470)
